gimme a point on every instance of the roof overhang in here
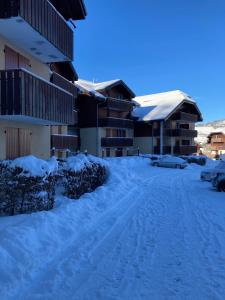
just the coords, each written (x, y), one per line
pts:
(119, 83)
(70, 9)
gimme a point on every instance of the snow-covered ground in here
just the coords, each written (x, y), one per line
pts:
(148, 233)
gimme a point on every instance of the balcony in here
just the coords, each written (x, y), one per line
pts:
(187, 117)
(178, 150)
(25, 97)
(36, 27)
(176, 132)
(119, 105)
(166, 150)
(117, 142)
(185, 150)
(182, 133)
(64, 142)
(116, 122)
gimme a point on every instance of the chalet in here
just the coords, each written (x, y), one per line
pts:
(216, 142)
(165, 123)
(37, 98)
(105, 122)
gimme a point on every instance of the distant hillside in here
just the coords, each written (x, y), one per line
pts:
(205, 129)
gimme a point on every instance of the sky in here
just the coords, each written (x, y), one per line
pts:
(157, 46)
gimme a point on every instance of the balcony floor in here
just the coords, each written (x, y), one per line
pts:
(22, 35)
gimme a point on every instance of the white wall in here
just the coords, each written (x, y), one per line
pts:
(37, 67)
(145, 144)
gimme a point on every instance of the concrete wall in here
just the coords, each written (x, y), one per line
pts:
(37, 67)
(40, 139)
(88, 140)
(145, 144)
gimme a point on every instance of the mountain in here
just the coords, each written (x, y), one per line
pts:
(205, 129)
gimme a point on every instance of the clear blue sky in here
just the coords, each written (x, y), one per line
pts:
(156, 46)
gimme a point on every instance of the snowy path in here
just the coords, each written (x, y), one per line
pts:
(149, 233)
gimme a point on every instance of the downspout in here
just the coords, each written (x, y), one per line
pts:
(161, 138)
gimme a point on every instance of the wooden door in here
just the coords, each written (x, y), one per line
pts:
(11, 59)
(24, 142)
(14, 60)
(12, 143)
(18, 142)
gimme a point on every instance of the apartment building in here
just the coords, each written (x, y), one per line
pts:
(165, 123)
(37, 98)
(105, 121)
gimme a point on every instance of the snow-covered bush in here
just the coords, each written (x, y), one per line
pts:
(27, 184)
(82, 174)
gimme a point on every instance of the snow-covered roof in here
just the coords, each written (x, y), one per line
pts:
(89, 88)
(218, 130)
(160, 106)
(95, 88)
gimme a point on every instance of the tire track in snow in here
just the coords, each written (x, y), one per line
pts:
(100, 232)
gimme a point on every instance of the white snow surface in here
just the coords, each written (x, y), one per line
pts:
(204, 130)
(148, 233)
(34, 166)
(159, 106)
(78, 162)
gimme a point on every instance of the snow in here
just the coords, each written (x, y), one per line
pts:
(78, 162)
(33, 166)
(96, 88)
(204, 130)
(148, 233)
(160, 106)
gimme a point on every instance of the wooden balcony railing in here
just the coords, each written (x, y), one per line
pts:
(23, 94)
(120, 105)
(183, 116)
(176, 132)
(117, 142)
(64, 83)
(64, 142)
(185, 150)
(178, 150)
(43, 18)
(116, 122)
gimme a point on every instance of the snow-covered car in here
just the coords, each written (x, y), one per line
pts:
(170, 162)
(218, 182)
(209, 174)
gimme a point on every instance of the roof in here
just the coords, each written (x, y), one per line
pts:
(70, 9)
(160, 106)
(96, 88)
(87, 87)
(217, 131)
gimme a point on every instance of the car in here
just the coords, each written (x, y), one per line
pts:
(209, 174)
(170, 162)
(218, 182)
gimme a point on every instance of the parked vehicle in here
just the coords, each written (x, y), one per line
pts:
(218, 182)
(209, 174)
(170, 162)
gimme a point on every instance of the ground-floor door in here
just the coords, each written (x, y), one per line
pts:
(18, 142)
